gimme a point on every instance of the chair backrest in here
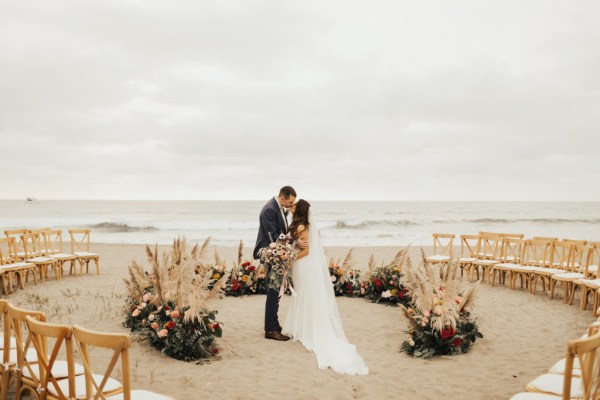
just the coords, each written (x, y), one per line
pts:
(54, 240)
(31, 245)
(580, 252)
(5, 331)
(552, 239)
(468, 245)
(7, 250)
(562, 255)
(575, 241)
(42, 239)
(63, 341)
(118, 343)
(537, 253)
(18, 329)
(587, 352)
(442, 244)
(593, 255)
(80, 239)
(16, 235)
(512, 250)
(489, 246)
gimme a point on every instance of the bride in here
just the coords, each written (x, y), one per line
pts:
(313, 316)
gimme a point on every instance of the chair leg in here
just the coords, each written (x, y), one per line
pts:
(552, 283)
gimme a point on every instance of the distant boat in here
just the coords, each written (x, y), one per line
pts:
(31, 200)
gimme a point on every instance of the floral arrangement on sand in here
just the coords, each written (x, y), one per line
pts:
(275, 259)
(440, 320)
(246, 278)
(384, 284)
(345, 279)
(169, 305)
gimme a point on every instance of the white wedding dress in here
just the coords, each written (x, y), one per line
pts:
(313, 318)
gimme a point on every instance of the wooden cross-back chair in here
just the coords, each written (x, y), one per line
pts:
(9, 268)
(590, 285)
(26, 357)
(442, 248)
(55, 248)
(80, 247)
(552, 239)
(58, 378)
(488, 253)
(468, 254)
(582, 352)
(511, 254)
(538, 255)
(9, 346)
(42, 240)
(32, 245)
(570, 274)
(16, 235)
(103, 386)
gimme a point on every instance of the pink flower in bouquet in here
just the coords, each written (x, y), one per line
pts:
(146, 297)
(333, 278)
(135, 312)
(143, 305)
(386, 295)
(154, 325)
(163, 333)
(175, 314)
(362, 291)
(426, 314)
(391, 282)
(411, 343)
(272, 245)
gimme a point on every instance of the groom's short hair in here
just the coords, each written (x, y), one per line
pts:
(287, 191)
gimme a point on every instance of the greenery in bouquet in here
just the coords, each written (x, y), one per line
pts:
(169, 305)
(275, 259)
(345, 279)
(246, 278)
(384, 284)
(440, 320)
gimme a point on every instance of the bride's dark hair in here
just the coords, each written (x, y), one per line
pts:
(300, 217)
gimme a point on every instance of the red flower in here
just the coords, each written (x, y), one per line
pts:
(215, 351)
(216, 326)
(456, 342)
(171, 324)
(447, 333)
(377, 282)
(251, 268)
(166, 308)
(234, 286)
(349, 286)
(402, 293)
(247, 263)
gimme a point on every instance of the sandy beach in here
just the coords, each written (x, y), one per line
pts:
(524, 336)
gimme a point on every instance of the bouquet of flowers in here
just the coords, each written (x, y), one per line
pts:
(384, 284)
(439, 316)
(345, 280)
(245, 277)
(168, 306)
(276, 260)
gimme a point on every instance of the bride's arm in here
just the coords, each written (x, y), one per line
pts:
(302, 235)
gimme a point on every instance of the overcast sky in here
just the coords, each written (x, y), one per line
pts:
(375, 100)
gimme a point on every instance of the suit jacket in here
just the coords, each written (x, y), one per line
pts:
(271, 221)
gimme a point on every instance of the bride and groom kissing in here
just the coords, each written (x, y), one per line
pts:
(312, 317)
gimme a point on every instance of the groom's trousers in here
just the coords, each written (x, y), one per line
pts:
(271, 309)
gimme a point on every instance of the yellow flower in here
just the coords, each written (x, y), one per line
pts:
(340, 272)
(394, 291)
(216, 276)
(245, 278)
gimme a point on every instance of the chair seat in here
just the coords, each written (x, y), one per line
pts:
(40, 260)
(63, 256)
(547, 271)
(525, 268)
(553, 384)
(438, 257)
(111, 385)
(85, 254)
(591, 283)
(568, 276)
(60, 370)
(507, 266)
(487, 262)
(559, 367)
(16, 265)
(141, 395)
(467, 259)
(31, 355)
(534, 396)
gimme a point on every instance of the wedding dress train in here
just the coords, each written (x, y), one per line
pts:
(313, 317)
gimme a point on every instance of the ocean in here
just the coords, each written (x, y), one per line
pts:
(340, 223)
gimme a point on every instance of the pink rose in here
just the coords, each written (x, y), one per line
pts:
(163, 333)
(272, 245)
(154, 325)
(146, 297)
(175, 314)
(135, 312)
(143, 305)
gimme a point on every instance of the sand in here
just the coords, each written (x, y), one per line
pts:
(524, 336)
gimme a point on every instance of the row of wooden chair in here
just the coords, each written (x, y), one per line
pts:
(31, 366)
(36, 252)
(572, 264)
(577, 376)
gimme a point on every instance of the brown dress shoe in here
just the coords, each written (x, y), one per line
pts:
(276, 336)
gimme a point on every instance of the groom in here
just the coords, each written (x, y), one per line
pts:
(273, 221)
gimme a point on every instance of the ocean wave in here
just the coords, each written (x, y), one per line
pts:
(532, 220)
(370, 223)
(119, 227)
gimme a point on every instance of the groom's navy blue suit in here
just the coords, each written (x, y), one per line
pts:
(271, 222)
